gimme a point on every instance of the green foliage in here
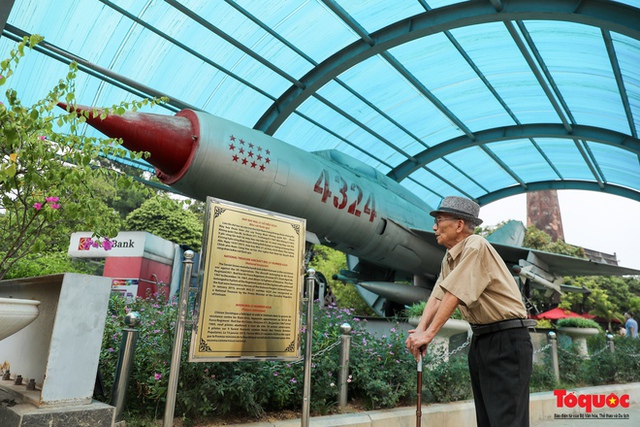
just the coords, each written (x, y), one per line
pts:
(610, 296)
(329, 262)
(45, 171)
(570, 365)
(46, 263)
(603, 366)
(449, 382)
(382, 370)
(416, 310)
(538, 239)
(166, 218)
(578, 322)
(544, 324)
(541, 377)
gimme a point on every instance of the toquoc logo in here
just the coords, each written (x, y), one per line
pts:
(590, 401)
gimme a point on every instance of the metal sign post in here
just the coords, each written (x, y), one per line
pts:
(306, 402)
(174, 371)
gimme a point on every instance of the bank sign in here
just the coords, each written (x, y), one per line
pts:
(125, 244)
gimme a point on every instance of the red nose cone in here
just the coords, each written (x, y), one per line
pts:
(170, 140)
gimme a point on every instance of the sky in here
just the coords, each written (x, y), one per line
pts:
(597, 221)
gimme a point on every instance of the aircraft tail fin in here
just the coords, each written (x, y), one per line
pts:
(511, 233)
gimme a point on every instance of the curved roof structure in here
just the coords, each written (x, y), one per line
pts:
(484, 99)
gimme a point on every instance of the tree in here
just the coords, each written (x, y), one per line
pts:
(538, 239)
(166, 217)
(46, 167)
(604, 308)
(329, 262)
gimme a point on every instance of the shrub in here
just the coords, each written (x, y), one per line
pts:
(542, 377)
(449, 382)
(379, 368)
(382, 371)
(578, 322)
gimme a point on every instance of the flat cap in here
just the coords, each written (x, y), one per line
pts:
(460, 207)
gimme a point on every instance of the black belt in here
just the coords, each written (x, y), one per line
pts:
(502, 325)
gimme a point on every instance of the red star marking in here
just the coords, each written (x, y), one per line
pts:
(250, 145)
(232, 147)
(244, 161)
(250, 153)
(259, 157)
(232, 138)
(268, 152)
(259, 148)
(262, 168)
(241, 150)
(253, 165)
(242, 141)
(235, 158)
(267, 160)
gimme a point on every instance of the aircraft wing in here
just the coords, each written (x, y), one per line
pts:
(554, 264)
(563, 265)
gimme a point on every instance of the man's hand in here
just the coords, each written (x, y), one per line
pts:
(417, 343)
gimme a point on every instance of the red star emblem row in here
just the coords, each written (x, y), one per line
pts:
(248, 154)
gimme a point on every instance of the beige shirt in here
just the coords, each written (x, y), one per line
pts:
(474, 272)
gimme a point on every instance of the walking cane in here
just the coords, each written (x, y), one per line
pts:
(419, 408)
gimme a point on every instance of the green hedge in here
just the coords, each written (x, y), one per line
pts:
(383, 372)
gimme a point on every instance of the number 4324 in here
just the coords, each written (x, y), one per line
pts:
(345, 195)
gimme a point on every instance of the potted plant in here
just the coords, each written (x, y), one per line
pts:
(579, 329)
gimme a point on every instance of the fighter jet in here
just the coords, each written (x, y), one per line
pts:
(385, 230)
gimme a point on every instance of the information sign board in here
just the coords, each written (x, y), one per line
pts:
(249, 301)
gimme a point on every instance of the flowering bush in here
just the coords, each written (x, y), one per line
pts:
(382, 370)
(47, 168)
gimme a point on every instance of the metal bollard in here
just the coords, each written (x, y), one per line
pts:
(554, 355)
(343, 373)
(178, 338)
(306, 393)
(125, 363)
(610, 341)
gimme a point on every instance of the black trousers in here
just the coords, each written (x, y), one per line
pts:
(500, 367)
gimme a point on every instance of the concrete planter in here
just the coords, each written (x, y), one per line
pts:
(451, 327)
(579, 337)
(16, 314)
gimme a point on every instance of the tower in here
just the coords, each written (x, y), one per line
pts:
(543, 211)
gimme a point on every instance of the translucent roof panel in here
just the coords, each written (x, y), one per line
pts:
(445, 97)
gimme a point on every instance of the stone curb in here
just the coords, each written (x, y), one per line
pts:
(543, 406)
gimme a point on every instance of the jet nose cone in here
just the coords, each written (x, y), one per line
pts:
(171, 141)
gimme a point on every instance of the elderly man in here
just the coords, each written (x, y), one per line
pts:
(474, 278)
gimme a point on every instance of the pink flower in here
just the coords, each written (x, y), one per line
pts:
(55, 206)
(37, 206)
(86, 243)
(157, 376)
(42, 137)
(107, 244)
(51, 199)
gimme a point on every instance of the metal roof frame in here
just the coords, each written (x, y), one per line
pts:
(429, 167)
